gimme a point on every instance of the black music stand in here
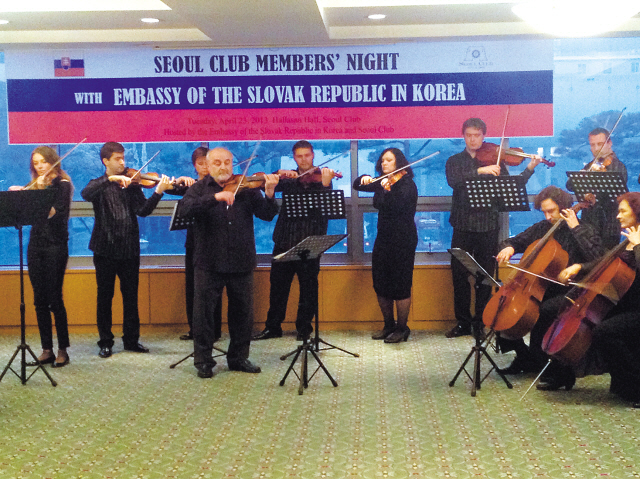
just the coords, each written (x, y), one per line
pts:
(310, 249)
(479, 349)
(18, 209)
(605, 185)
(504, 193)
(180, 222)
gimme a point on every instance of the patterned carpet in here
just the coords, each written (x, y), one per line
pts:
(392, 415)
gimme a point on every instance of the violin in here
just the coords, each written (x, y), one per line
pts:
(389, 181)
(237, 183)
(487, 155)
(146, 180)
(514, 309)
(314, 175)
(586, 305)
(600, 164)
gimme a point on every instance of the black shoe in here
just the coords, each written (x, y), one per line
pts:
(41, 360)
(187, 337)
(458, 330)
(519, 366)
(303, 336)
(205, 371)
(245, 366)
(553, 384)
(398, 335)
(636, 405)
(267, 333)
(136, 348)
(382, 334)
(105, 352)
(63, 363)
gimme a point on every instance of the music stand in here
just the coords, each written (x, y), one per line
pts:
(503, 193)
(181, 222)
(18, 209)
(605, 185)
(309, 249)
(479, 349)
(318, 205)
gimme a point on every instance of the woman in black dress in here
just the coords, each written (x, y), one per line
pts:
(617, 337)
(47, 254)
(394, 250)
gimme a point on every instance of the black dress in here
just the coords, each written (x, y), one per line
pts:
(395, 246)
(617, 337)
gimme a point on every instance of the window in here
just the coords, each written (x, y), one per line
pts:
(580, 103)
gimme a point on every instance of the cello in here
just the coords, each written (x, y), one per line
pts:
(586, 305)
(514, 308)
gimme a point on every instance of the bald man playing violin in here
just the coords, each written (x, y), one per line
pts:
(225, 256)
(115, 242)
(475, 230)
(286, 234)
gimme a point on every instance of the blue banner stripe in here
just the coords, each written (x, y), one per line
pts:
(290, 91)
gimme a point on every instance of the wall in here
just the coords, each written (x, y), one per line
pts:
(347, 299)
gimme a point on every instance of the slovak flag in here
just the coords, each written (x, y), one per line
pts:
(68, 67)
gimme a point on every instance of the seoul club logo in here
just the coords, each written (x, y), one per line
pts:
(476, 57)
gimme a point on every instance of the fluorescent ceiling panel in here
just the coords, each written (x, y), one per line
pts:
(400, 3)
(80, 5)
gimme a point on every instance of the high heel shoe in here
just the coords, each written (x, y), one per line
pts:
(384, 333)
(398, 335)
(555, 383)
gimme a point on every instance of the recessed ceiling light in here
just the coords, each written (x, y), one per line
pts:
(149, 20)
(377, 16)
(81, 5)
(4, 22)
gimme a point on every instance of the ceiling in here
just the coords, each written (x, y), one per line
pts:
(263, 23)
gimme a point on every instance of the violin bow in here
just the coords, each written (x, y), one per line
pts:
(546, 278)
(597, 158)
(33, 182)
(380, 178)
(246, 168)
(504, 129)
(143, 166)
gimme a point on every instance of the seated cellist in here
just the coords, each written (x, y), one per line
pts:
(617, 337)
(581, 243)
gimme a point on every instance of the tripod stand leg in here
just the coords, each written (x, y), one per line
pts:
(290, 368)
(181, 361)
(304, 372)
(40, 366)
(23, 348)
(9, 363)
(326, 371)
(475, 380)
(497, 369)
(333, 346)
(455, 378)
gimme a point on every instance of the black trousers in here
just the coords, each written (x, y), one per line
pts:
(128, 271)
(280, 278)
(618, 340)
(483, 247)
(46, 272)
(208, 293)
(189, 288)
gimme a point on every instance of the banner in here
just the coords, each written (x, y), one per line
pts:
(397, 91)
